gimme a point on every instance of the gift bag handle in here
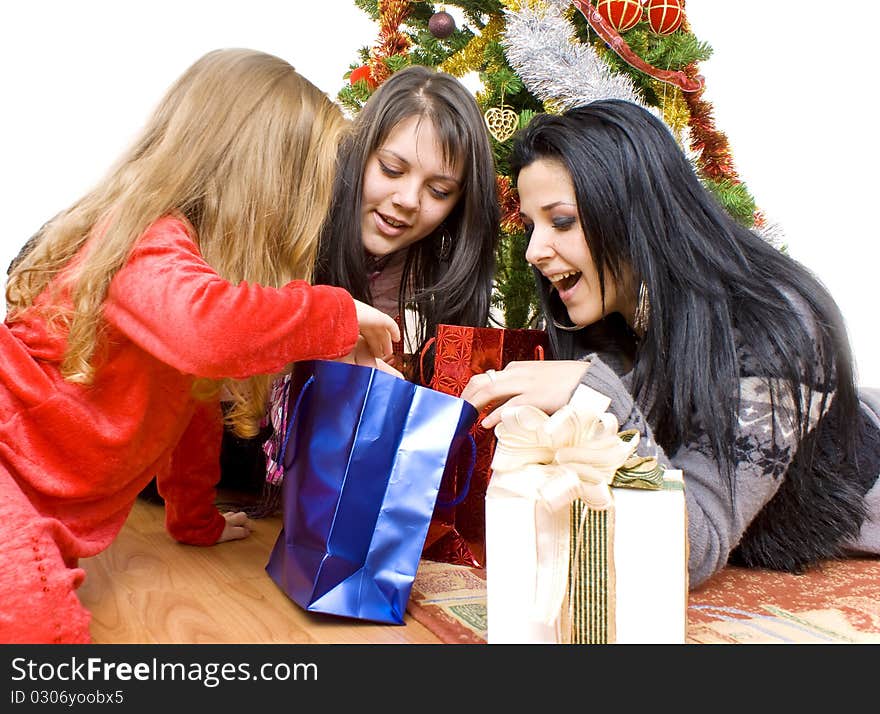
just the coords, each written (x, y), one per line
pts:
(467, 482)
(292, 419)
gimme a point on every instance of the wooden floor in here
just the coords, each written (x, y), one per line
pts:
(148, 589)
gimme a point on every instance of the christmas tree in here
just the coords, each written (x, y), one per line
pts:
(547, 56)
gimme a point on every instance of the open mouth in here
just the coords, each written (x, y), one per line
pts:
(391, 221)
(564, 281)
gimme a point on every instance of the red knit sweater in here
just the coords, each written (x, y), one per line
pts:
(83, 453)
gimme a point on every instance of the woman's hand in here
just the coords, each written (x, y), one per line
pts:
(547, 385)
(237, 526)
(362, 356)
(377, 329)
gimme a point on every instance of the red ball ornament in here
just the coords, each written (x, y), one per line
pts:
(441, 25)
(362, 73)
(622, 15)
(664, 16)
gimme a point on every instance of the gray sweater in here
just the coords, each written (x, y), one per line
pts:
(715, 527)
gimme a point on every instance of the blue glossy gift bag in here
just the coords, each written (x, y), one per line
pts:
(363, 457)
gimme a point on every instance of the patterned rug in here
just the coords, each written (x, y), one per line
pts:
(837, 602)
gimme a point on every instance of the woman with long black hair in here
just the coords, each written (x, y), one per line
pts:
(414, 219)
(728, 356)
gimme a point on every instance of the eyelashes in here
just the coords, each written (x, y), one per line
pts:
(561, 223)
(388, 171)
(438, 193)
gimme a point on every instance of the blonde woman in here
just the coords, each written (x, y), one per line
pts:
(186, 270)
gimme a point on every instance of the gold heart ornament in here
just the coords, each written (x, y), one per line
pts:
(502, 123)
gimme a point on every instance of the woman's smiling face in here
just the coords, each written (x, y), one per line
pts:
(557, 244)
(408, 188)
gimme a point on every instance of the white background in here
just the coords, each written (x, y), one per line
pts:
(792, 85)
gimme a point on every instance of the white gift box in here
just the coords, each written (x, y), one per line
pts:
(568, 557)
(648, 562)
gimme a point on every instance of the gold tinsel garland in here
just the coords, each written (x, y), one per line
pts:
(676, 113)
(470, 58)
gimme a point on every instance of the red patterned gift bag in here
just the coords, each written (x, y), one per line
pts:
(457, 533)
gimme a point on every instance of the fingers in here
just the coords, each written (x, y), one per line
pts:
(377, 328)
(392, 328)
(238, 526)
(383, 366)
(362, 356)
(479, 390)
(236, 533)
(492, 419)
(380, 345)
(495, 389)
(379, 339)
(237, 518)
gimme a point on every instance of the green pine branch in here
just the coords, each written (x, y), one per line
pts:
(371, 7)
(515, 283)
(735, 198)
(432, 51)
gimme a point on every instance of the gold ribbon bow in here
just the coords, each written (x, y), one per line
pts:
(576, 453)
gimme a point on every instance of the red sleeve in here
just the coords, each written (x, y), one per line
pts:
(188, 486)
(172, 304)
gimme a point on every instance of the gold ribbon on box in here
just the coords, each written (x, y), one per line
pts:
(566, 464)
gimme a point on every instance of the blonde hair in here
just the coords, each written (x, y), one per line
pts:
(241, 146)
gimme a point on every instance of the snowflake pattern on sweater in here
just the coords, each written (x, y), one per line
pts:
(765, 442)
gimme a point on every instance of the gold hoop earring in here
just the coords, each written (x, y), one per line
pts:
(443, 247)
(642, 315)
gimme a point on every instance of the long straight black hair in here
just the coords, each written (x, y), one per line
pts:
(717, 290)
(456, 290)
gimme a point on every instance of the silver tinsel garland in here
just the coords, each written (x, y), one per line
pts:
(541, 47)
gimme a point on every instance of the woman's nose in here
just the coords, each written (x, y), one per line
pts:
(540, 247)
(406, 195)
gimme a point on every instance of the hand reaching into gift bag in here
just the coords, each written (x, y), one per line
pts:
(547, 385)
(377, 329)
(362, 355)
